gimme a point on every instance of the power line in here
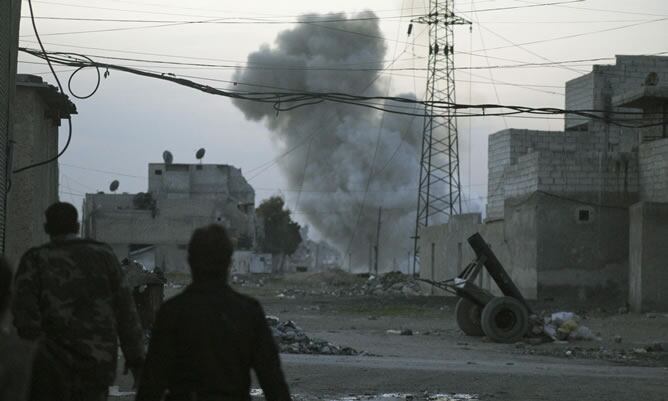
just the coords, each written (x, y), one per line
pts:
(292, 100)
(577, 35)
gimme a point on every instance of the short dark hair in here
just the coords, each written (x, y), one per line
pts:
(5, 285)
(210, 252)
(61, 218)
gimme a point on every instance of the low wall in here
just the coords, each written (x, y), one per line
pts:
(648, 257)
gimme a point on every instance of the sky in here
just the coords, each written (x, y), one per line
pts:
(131, 120)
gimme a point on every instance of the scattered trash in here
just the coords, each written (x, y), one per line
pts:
(291, 339)
(563, 326)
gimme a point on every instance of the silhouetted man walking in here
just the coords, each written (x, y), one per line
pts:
(206, 340)
(71, 301)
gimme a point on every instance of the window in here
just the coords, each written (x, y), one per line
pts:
(584, 215)
(158, 172)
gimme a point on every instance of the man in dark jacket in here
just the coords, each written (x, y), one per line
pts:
(70, 299)
(206, 340)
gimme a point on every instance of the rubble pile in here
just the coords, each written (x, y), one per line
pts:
(393, 283)
(388, 284)
(292, 340)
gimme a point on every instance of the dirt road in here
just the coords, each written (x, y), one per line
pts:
(438, 358)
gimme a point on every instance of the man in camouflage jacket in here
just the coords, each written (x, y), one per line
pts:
(70, 299)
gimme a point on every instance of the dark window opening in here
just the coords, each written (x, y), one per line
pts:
(583, 215)
(158, 172)
(198, 167)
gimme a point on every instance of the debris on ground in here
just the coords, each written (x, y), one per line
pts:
(402, 332)
(334, 283)
(422, 396)
(393, 283)
(248, 282)
(291, 339)
(563, 326)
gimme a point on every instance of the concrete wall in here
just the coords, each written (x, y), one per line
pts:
(187, 181)
(648, 272)
(445, 250)
(524, 161)
(32, 191)
(654, 171)
(544, 244)
(582, 247)
(596, 89)
(579, 96)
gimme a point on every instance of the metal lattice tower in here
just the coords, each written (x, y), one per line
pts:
(439, 193)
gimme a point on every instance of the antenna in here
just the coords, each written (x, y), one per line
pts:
(114, 185)
(168, 157)
(200, 154)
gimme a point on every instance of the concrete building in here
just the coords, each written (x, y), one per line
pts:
(10, 16)
(180, 198)
(562, 212)
(39, 109)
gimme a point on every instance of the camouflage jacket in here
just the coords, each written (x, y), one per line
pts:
(69, 294)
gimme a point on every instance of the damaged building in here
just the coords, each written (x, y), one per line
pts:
(155, 227)
(571, 213)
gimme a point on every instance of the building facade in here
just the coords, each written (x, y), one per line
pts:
(38, 111)
(180, 198)
(560, 211)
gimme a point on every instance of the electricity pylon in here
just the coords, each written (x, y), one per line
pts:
(439, 193)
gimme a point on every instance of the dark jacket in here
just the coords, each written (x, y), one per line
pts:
(205, 342)
(70, 298)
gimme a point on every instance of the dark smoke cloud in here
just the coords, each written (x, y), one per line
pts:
(338, 142)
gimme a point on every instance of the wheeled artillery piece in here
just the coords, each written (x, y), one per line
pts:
(503, 319)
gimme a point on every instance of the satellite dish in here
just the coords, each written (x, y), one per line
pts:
(114, 185)
(167, 157)
(652, 79)
(200, 153)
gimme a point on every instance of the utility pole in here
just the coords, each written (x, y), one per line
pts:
(376, 250)
(439, 190)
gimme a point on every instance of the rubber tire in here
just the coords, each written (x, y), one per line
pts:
(505, 320)
(468, 317)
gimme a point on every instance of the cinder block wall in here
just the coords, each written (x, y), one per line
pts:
(654, 171)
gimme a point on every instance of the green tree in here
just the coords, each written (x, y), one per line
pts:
(281, 234)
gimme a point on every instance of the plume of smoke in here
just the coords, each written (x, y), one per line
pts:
(350, 160)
